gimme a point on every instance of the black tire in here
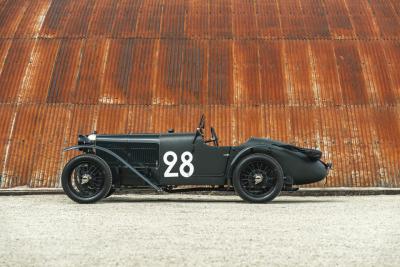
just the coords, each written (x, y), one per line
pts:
(112, 190)
(86, 178)
(258, 178)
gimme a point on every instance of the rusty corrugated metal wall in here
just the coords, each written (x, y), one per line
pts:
(316, 73)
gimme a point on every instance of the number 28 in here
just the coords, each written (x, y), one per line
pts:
(186, 159)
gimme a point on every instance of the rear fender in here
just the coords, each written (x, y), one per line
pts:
(243, 153)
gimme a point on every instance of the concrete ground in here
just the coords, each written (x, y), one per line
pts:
(201, 230)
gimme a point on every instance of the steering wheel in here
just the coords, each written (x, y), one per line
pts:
(200, 128)
(214, 136)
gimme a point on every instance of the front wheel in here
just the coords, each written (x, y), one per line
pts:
(258, 178)
(86, 178)
(112, 191)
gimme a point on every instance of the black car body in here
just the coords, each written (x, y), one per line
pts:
(166, 160)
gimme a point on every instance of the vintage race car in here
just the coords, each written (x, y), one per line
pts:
(258, 169)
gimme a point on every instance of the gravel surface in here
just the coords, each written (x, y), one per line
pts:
(201, 230)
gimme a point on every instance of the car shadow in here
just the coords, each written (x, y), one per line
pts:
(161, 200)
(143, 199)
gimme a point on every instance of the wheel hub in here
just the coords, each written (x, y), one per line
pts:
(258, 178)
(85, 178)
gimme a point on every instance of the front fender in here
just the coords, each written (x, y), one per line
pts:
(111, 153)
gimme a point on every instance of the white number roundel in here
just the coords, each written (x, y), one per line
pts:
(186, 159)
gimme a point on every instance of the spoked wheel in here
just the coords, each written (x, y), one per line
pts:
(258, 178)
(86, 178)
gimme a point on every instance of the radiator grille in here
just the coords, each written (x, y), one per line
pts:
(137, 154)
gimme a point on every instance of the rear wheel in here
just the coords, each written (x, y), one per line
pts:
(258, 178)
(86, 178)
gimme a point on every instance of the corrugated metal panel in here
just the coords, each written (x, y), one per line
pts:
(272, 73)
(338, 18)
(376, 73)
(46, 155)
(167, 83)
(6, 117)
(327, 83)
(315, 20)
(244, 19)
(292, 21)
(386, 140)
(166, 117)
(112, 119)
(392, 55)
(56, 18)
(315, 73)
(220, 72)
(222, 118)
(194, 72)
(277, 122)
(14, 68)
(117, 75)
(91, 71)
(361, 170)
(4, 47)
(18, 166)
(82, 120)
(350, 72)
(331, 137)
(139, 119)
(220, 25)
(268, 19)
(252, 115)
(32, 20)
(173, 19)
(65, 72)
(11, 15)
(362, 19)
(39, 71)
(298, 73)
(197, 19)
(2, 4)
(149, 21)
(246, 74)
(126, 16)
(78, 20)
(181, 75)
(102, 18)
(386, 18)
